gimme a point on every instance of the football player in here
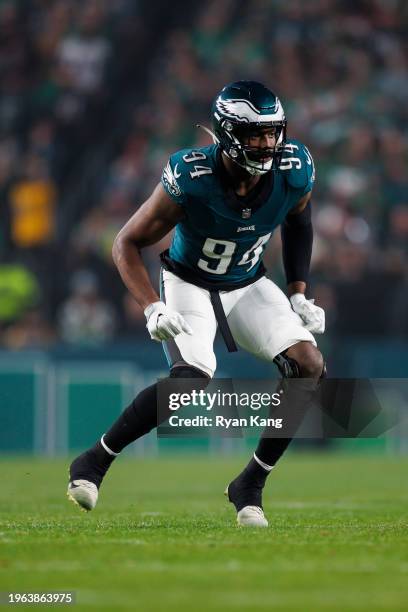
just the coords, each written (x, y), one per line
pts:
(224, 201)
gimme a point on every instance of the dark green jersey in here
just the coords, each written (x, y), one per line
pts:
(222, 239)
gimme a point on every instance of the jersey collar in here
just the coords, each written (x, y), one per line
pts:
(254, 200)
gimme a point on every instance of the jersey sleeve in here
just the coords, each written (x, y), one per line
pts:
(310, 170)
(172, 181)
(298, 166)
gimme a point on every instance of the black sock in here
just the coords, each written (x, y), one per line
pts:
(270, 450)
(101, 456)
(142, 415)
(295, 401)
(246, 489)
(254, 474)
(135, 421)
(91, 465)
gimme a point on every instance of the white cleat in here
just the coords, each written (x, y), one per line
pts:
(83, 493)
(251, 516)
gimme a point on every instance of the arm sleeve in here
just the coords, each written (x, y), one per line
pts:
(297, 241)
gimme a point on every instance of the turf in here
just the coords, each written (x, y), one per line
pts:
(163, 538)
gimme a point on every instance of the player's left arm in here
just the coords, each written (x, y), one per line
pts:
(297, 243)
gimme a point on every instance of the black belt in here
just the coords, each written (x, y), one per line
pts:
(222, 321)
(190, 277)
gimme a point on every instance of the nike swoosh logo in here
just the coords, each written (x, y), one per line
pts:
(175, 172)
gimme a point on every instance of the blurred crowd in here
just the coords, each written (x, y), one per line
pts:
(94, 99)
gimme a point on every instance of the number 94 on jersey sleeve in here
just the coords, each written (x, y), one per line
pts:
(297, 166)
(181, 170)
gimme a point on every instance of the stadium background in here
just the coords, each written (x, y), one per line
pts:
(94, 97)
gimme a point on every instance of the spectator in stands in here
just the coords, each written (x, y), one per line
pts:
(85, 318)
(74, 106)
(32, 202)
(19, 291)
(31, 331)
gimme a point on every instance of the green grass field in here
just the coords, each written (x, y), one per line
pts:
(163, 537)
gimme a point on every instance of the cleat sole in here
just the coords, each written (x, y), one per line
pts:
(74, 501)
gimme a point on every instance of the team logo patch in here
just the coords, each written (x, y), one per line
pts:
(170, 181)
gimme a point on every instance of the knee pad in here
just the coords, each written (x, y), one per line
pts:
(184, 370)
(288, 367)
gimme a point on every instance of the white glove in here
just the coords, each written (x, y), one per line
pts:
(163, 323)
(311, 315)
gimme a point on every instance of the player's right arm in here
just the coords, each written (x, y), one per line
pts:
(150, 223)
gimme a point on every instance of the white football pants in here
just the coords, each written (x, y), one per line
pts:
(259, 315)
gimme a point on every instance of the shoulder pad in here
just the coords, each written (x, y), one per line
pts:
(184, 167)
(297, 166)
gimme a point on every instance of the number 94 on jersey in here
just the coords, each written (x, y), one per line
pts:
(219, 256)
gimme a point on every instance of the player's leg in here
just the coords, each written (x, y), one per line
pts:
(303, 360)
(263, 323)
(88, 470)
(189, 357)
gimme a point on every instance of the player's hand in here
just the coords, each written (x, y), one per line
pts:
(311, 315)
(163, 323)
